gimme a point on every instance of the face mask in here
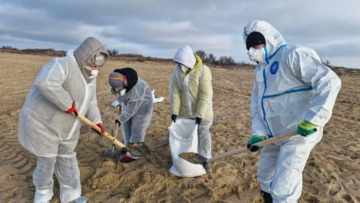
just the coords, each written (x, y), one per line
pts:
(100, 59)
(257, 55)
(94, 74)
(118, 89)
(183, 68)
(122, 92)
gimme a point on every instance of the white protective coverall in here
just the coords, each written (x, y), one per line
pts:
(291, 85)
(191, 95)
(51, 134)
(137, 114)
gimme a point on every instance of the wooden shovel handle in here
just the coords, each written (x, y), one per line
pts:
(116, 130)
(105, 134)
(117, 125)
(276, 139)
(259, 144)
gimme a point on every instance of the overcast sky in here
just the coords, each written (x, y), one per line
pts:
(159, 28)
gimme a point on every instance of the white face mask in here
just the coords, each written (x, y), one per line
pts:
(183, 68)
(94, 74)
(122, 92)
(257, 55)
(99, 59)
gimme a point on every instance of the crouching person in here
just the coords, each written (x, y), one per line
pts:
(135, 95)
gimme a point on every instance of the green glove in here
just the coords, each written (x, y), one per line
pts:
(255, 139)
(306, 128)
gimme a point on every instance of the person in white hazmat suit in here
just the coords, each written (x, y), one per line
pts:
(63, 86)
(293, 90)
(191, 96)
(134, 94)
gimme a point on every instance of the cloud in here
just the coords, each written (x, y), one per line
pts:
(159, 27)
(340, 49)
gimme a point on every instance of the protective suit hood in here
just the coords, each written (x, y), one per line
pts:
(131, 76)
(185, 56)
(85, 56)
(273, 38)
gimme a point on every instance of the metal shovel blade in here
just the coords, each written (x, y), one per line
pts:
(138, 149)
(193, 157)
(109, 154)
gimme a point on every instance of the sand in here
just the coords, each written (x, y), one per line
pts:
(332, 173)
(187, 155)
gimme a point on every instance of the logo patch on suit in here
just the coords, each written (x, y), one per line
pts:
(274, 67)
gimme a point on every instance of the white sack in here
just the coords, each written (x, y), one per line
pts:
(183, 137)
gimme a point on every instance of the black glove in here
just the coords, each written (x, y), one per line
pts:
(198, 120)
(173, 117)
(255, 139)
(253, 148)
(117, 122)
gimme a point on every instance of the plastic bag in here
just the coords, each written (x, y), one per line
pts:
(116, 104)
(156, 100)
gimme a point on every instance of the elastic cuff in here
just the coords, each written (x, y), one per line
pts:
(259, 134)
(119, 119)
(313, 118)
(68, 107)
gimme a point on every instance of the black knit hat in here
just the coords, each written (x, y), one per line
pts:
(254, 38)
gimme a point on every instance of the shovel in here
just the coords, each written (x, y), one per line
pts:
(109, 154)
(196, 158)
(135, 149)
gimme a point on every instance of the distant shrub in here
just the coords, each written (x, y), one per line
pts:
(211, 59)
(9, 48)
(131, 55)
(327, 62)
(114, 52)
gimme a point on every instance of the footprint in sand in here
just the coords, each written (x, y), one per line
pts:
(334, 188)
(310, 198)
(347, 198)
